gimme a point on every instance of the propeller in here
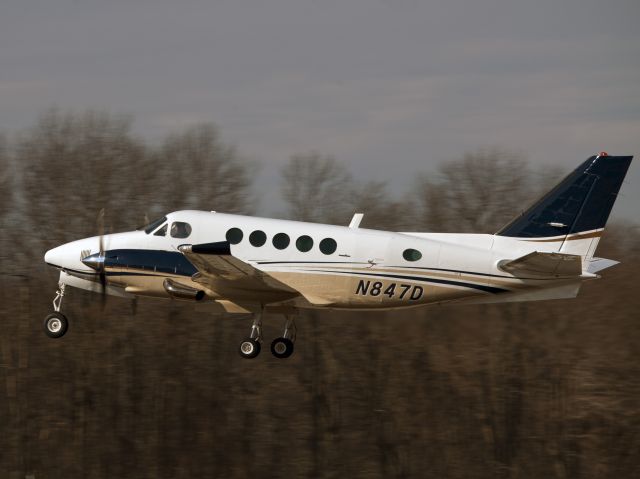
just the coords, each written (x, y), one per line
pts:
(97, 260)
(100, 264)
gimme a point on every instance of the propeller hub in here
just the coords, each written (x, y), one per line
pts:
(95, 261)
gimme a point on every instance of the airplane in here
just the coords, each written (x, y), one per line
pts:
(251, 265)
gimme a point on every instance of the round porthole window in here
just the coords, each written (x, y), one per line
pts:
(257, 238)
(411, 254)
(234, 235)
(304, 243)
(281, 240)
(328, 246)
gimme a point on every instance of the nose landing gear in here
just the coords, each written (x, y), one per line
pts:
(56, 324)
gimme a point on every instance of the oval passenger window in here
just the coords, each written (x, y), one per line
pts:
(304, 243)
(281, 240)
(411, 254)
(234, 235)
(257, 238)
(328, 246)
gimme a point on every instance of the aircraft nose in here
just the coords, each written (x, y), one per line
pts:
(54, 256)
(66, 256)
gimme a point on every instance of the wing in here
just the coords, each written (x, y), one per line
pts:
(220, 270)
(544, 264)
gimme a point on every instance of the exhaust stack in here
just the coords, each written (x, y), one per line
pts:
(182, 292)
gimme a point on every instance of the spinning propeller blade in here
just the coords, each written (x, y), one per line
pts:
(100, 264)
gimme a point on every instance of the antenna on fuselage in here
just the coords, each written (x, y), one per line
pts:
(355, 221)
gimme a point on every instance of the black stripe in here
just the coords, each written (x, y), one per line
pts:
(404, 267)
(481, 287)
(310, 262)
(470, 272)
(219, 248)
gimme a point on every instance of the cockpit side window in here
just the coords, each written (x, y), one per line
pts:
(161, 232)
(154, 224)
(180, 229)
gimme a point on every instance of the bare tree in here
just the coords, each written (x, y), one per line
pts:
(494, 391)
(75, 164)
(380, 210)
(317, 188)
(478, 193)
(197, 170)
(6, 185)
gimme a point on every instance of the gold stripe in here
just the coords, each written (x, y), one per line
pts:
(593, 234)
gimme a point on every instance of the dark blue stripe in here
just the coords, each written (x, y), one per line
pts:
(171, 262)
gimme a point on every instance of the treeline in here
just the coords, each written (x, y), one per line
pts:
(157, 389)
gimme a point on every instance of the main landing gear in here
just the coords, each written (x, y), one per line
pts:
(250, 347)
(280, 347)
(56, 324)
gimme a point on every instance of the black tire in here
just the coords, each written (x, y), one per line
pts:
(282, 348)
(249, 348)
(55, 325)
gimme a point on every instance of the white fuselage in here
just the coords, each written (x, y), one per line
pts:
(369, 269)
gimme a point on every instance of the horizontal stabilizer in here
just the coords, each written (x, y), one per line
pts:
(598, 264)
(564, 291)
(544, 264)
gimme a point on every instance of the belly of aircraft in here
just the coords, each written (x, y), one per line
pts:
(379, 289)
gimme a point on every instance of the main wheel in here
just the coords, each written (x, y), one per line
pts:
(55, 325)
(249, 348)
(282, 347)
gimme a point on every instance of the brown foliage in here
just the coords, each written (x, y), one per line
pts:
(319, 189)
(545, 389)
(478, 193)
(200, 172)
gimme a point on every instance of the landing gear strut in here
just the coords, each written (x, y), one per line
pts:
(56, 324)
(283, 347)
(250, 347)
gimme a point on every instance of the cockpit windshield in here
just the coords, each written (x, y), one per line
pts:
(153, 225)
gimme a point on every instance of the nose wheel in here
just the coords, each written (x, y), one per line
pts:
(56, 324)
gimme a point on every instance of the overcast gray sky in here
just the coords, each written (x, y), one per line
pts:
(389, 87)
